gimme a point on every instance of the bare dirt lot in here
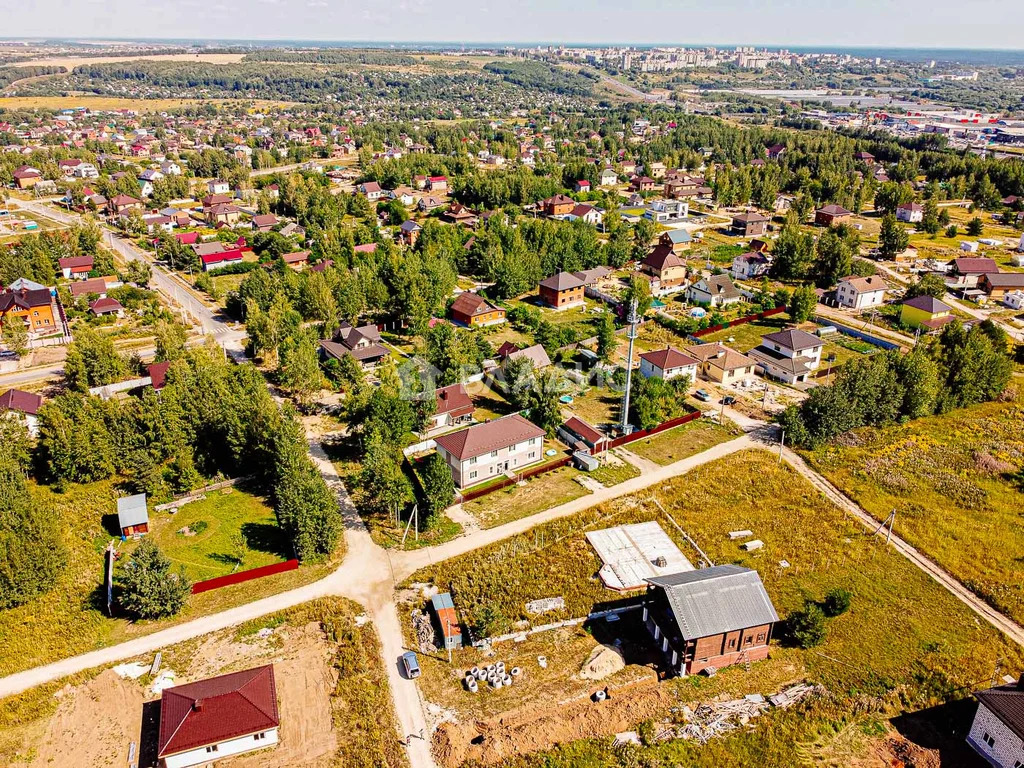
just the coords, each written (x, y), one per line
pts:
(534, 728)
(96, 722)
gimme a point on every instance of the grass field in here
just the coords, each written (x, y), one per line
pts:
(955, 483)
(71, 617)
(537, 494)
(222, 517)
(681, 442)
(905, 646)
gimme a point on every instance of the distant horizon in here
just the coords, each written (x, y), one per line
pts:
(387, 43)
(990, 57)
(867, 24)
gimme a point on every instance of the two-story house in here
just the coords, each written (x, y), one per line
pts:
(666, 267)
(751, 264)
(711, 617)
(562, 291)
(485, 451)
(788, 356)
(668, 363)
(860, 292)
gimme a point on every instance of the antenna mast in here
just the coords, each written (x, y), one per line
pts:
(631, 318)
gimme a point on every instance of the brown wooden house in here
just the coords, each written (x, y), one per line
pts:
(709, 618)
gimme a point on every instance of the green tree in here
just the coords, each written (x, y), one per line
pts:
(170, 340)
(834, 261)
(892, 239)
(802, 303)
(930, 284)
(543, 400)
(92, 361)
(793, 252)
(807, 626)
(606, 339)
(300, 367)
(639, 288)
(32, 552)
(975, 227)
(952, 231)
(517, 378)
(138, 272)
(148, 587)
(837, 602)
(891, 195)
(15, 336)
(438, 488)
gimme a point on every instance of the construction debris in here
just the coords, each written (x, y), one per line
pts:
(424, 629)
(709, 721)
(793, 694)
(535, 607)
(750, 546)
(740, 534)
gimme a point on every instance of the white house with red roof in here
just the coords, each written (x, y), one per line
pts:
(24, 406)
(454, 406)
(668, 363)
(485, 451)
(213, 719)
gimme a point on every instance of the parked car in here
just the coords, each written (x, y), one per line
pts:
(728, 400)
(410, 665)
(703, 395)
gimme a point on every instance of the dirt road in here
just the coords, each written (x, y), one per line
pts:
(369, 573)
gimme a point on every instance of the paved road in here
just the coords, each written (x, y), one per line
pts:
(164, 280)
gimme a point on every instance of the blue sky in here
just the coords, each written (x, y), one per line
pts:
(889, 23)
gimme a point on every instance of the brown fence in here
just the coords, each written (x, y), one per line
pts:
(525, 474)
(243, 576)
(738, 321)
(642, 433)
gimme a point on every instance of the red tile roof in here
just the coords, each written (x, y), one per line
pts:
(215, 710)
(76, 263)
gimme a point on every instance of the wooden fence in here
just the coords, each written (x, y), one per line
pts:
(243, 576)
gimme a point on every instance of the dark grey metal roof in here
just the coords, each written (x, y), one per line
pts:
(714, 600)
(1007, 703)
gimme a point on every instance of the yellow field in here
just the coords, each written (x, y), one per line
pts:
(76, 61)
(110, 102)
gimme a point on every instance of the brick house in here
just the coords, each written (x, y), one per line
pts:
(855, 292)
(831, 214)
(709, 618)
(749, 224)
(663, 264)
(562, 290)
(997, 733)
(668, 364)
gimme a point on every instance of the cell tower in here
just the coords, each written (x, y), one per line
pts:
(631, 318)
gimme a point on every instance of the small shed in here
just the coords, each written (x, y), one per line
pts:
(447, 620)
(132, 515)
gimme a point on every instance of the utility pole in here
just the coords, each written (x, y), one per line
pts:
(631, 318)
(782, 441)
